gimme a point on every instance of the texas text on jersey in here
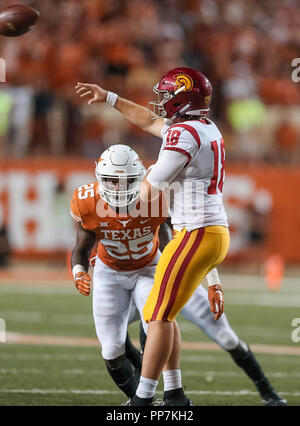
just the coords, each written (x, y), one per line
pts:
(125, 243)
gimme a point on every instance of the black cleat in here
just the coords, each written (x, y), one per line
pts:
(139, 402)
(176, 398)
(273, 402)
(177, 403)
(269, 396)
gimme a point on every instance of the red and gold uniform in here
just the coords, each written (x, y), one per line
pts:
(192, 156)
(184, 263)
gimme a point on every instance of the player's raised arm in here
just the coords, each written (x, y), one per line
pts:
(133, 112)
(80, 259)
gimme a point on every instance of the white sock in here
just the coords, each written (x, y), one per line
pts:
(146, 387)
(172, 379)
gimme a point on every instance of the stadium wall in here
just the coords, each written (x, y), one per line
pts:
(263, 205)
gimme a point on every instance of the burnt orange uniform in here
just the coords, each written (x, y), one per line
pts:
(125, 242)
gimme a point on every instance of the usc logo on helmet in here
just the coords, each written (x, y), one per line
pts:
(183, 80)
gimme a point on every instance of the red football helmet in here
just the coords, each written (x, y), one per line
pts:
(182, 91)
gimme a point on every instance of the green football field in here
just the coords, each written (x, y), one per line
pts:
(51, 355)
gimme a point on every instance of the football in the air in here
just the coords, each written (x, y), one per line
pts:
(17, 20)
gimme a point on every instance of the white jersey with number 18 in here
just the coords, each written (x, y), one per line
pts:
(196, 193)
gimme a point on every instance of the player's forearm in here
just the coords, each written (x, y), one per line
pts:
(133, 112)
(139, 116)
(85, 241)
(80, 257)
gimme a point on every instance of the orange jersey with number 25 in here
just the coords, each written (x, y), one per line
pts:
(125, 242)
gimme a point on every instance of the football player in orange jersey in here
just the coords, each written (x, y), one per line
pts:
(110, 213)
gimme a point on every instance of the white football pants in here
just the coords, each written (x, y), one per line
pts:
(119, 298)
(114, 294)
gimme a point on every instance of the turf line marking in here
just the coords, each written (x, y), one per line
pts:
(51, 340)
(29, 356)
(38, 317)
(243, 392)
(90, 342)
(207, 375)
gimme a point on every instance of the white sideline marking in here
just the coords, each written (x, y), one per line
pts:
(21, 371)
(243, 392)
(208, 375)
(47, 289)
(25, 356)
(238, 375)
(61, 391)
(55, 318)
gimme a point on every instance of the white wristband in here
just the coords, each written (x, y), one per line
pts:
(77, 268)
(111, 98)
(213, 278)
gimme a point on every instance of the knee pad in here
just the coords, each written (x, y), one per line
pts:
(227, 339)
(111, 352)
(115, 364)
(240, 351)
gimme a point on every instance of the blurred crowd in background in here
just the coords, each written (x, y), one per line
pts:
(245, 48)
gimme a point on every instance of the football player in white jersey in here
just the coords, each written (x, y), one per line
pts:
(192, 157)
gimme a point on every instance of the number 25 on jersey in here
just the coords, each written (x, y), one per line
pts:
(86, 191)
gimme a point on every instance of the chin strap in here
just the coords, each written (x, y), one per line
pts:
(181, 111)
(199, 112)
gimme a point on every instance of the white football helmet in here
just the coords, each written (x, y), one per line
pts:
(119, 172)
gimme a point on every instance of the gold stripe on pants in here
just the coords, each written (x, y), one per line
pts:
(184, 263)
